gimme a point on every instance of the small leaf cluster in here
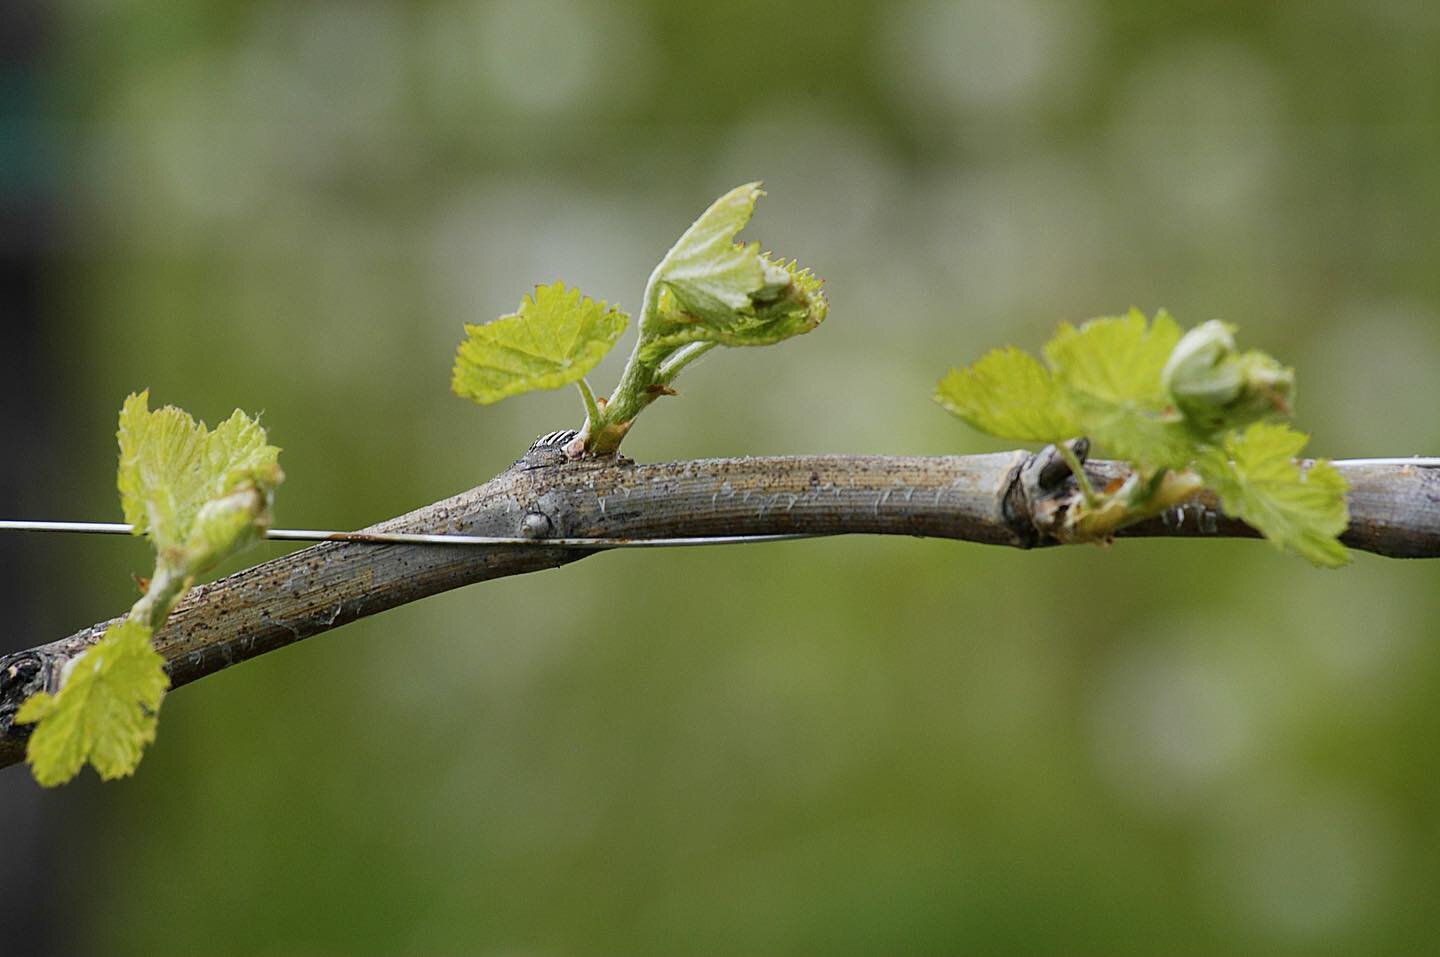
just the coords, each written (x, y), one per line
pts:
(1186, 410)
(708, 291)
(199, 496)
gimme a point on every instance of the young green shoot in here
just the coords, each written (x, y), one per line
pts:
(1187, 411)
(708, 291)
(199, 496)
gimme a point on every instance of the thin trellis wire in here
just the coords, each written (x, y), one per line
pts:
(422, 538)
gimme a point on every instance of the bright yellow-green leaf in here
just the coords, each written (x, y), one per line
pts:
(1259, 481)
(1010, 395)
(552, 340)
(1133, 432)
(104, 712)
(171, 465)
(710, 288)
(1110, 369)
(1115, 358)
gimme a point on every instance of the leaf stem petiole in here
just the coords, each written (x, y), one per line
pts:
(1077, 469)
(166, 586)
(592, 408)
(679, 359)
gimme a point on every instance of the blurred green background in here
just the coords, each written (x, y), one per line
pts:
(857, 746)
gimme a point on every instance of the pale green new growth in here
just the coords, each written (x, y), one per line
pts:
(171, 465)
(1103, 382)
(1213, 384)
(1258, 480)
(551, 340)
(105, 713)
(710, 274)
(709, 288)
(1116, 359)
(1109, 369)
(796, 308)
(200, 496)
(707, 291)
(1008, 394)
(1171, 405)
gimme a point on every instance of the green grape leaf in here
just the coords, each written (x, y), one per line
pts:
(551, 340)
(104, 713)
(709, 288)
(171, 466)
(1110, 370)
(1144, 436)
(1256, 475)
(1010, 395)
(1116, 358)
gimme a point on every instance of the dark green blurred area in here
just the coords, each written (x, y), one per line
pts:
(852, 746)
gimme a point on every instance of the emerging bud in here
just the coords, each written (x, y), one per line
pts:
(1214, 386)
(226, 525)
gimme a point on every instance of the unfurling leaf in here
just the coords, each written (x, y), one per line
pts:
(1010, 395)
(1215, 386)
(710, 274)
(105, 710)
(709, 288)
(171, 466)
(551, 340)
(1256, 475)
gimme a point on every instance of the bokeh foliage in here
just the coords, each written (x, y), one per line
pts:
(850, 746)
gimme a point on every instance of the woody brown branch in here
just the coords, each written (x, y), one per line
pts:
(991, 499)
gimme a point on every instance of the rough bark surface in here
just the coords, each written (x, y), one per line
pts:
(1007, 498)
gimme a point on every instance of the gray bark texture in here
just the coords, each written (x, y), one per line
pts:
(1005, 498)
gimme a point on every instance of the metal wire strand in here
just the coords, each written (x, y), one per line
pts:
(421, 538)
